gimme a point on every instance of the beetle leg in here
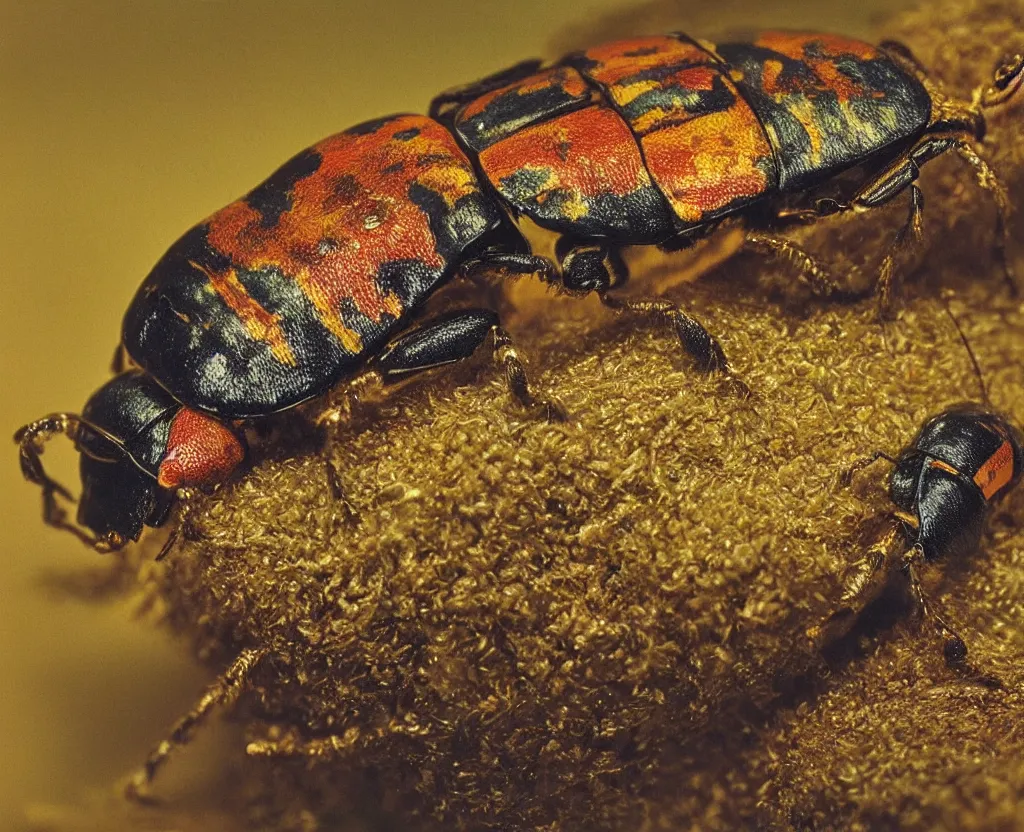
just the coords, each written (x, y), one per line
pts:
(509, 265)
(696, 340)
(493, 270)
(223, 692)
(898, 177)
(289, 743)
(185, 498)
(888, 276)
(811, 270)
(597, 267)
(518, 264)
(861, 583)
(987, 179)
(954, 648)
(903, 175)
(455, 337)
(448, 102)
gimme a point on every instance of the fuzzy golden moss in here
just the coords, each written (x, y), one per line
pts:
(514, 624)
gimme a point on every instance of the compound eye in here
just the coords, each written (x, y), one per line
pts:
(1007, 80)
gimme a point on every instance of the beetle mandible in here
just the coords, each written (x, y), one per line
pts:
(314, 277)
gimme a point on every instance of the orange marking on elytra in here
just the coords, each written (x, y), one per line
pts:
(944, 466)
(819, 52)
(709, 162)
(997, 471)
(770, 72)
(586, 153)
(350, 217)
(258, 322)
(625, 58)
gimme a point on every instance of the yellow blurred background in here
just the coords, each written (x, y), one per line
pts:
(121, 124)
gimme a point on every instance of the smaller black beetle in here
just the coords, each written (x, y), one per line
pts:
(944, 485)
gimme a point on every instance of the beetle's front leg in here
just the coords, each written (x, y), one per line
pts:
(31, 439)
(953, 646)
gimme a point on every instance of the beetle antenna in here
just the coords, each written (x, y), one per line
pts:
(967, 345)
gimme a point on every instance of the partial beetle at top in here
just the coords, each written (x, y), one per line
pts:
(315, 276)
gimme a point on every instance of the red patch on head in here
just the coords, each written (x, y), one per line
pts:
(201, 450)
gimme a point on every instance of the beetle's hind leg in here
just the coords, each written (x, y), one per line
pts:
(862, 582)
(223, 692)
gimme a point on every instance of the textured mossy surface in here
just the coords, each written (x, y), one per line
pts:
(509, 623)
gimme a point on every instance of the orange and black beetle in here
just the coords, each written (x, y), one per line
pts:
(314, 276)
(944, 486)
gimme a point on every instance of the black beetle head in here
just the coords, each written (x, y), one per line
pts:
(117, 499)
(121, 435)
(122, 439)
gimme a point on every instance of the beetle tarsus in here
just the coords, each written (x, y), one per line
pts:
(508, 359)
(31, 439)
(696, 340)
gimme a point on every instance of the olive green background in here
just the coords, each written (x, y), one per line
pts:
(121, 124)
